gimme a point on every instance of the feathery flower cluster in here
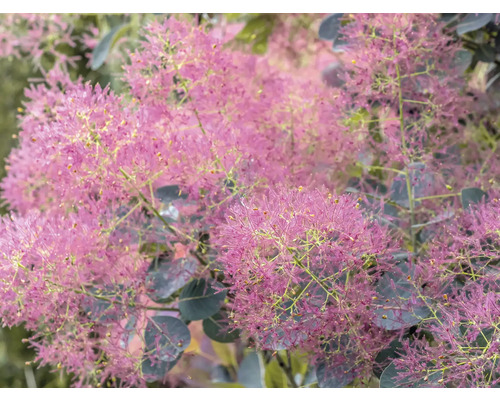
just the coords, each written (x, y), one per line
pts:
(302, 266)
(295, 47)
(461, 286)
(63, 279)
(403, 95)
(37, 36)
(396, 69)
(217, 124)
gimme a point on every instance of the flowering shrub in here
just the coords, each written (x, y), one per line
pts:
(224, 197)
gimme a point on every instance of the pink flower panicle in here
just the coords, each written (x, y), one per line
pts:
(460, 282)
(39, 37)
(302, 265)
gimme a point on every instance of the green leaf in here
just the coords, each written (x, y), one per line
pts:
(199, 300)
(462, 60)
(260, 46)
(152, 249)
(169, 193)
(102, 49)
(257, 31)
(156, 370)
(274, 377)
(472, 195)
(251, 371)
(357, 119)
(225, 353)
(166, 337)
(218, 328)
(385, 356)
(261, 25)
(473, 22)
(394, 310)
(337, 376)
(388, 379)
(165, 277)
(421, 180)
(299, 366)
(232, 17)
(485, 53)
(329, 27)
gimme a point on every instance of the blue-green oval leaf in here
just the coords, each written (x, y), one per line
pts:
(397, 305)
(169, 193)
(166, 337)
(473, 22)
(330, 26)
(251, 371)
(389, 378)
(337, 376)
(471, 196)
(102, 49)
(154, 370)
(165, 277)
(218, 328)
(200, 299)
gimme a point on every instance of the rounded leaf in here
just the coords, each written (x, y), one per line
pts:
(154, 370)
(217, 327)
(471, 195)
(274, 377)
(473, 22)
(169, 193)
(336, 376)
(385, 356)
(166, 337)
(165, 277)
(389, 378)
(251, 371)
(421, 182)
(485, 53)
(397, 305)
(200, 300)
(462, 60)
(329, 28)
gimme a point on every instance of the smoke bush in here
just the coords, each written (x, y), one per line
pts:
(334, 223)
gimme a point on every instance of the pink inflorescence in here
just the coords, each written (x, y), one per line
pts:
(460, 276)
(39, 36)
(216, 123)
(301, 264)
